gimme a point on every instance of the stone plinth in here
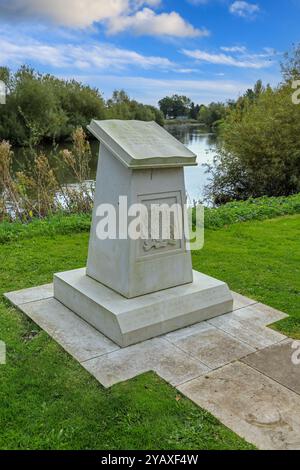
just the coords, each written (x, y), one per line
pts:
(136, 289)
(144, 163)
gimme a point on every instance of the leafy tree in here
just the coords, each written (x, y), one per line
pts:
(79, 104)
(37, 106)
(158, 115)
(118, 97)
(43, 107)
(166, 106)
(259, 152)
(120, 106)
(213, 113)
(194, 111)
(175, 106)
(291, 64)
(5, 76)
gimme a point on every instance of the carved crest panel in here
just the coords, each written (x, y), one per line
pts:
(162, 224)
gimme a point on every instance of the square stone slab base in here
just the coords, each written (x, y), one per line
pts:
(130, 321)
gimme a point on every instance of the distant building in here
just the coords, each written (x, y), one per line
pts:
(182, 118)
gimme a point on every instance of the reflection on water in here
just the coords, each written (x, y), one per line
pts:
(203, 144)
(199, 141)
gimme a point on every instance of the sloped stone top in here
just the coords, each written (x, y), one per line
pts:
(139, 144)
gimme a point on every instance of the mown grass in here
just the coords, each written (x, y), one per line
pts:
(49, 402)
(260, 259)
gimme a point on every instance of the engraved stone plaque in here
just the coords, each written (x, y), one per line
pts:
(165, 208)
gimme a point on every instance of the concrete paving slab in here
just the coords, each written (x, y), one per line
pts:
(185, 332)
(76, 336)
(210, 345)
(251, 404)
(157, 355)
(260, 314)
(240, 301)
(30, 295)
(248, 330)
(280, 363)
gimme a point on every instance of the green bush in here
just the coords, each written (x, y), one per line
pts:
(55, 225)
(252, 209)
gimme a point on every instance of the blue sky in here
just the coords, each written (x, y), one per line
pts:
(206, 49)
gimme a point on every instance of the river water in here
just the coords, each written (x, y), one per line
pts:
(199, 141)
(203, 144)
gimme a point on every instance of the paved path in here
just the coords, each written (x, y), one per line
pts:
(233, 366)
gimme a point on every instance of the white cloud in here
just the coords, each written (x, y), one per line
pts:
(75, 13)
(91, 56)
(242, 52)
(148, 22)
(252, 61)
(187, 71)
(244, 9)
(117, 15)
(240, 49)
(267, 52)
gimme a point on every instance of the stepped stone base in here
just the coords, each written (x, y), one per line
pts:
(129, 321)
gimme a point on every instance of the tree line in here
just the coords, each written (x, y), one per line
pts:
(42, 107)
(180, 107)
(211, 115)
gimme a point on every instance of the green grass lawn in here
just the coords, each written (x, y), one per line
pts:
(49, 402)
(260, 259)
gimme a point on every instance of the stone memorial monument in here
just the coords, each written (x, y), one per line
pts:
(134, 289)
